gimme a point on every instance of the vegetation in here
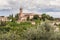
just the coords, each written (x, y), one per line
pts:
(44, 17)
(16, 17)
(28, 19)
(42, 30)
(27, 31)
(36, 17)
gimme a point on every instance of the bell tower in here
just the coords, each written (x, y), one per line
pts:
(20, 13)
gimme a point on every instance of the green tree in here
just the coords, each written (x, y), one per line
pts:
(2, 23)
(12, 18)
(16, 16)
(28, 18)
(36, 17)
(51, 18)
(44, 16)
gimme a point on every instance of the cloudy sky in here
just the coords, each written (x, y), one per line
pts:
(51, 7)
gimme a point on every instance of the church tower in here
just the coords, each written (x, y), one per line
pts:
(21, 13)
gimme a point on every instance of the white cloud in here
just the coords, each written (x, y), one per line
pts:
(31, 5)
(3, 2)
(54, 14)
(7, 4)
(55, 2)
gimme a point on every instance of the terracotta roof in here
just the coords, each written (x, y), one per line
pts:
(30, 14)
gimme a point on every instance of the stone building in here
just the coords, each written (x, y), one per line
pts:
(3, 18)
(23, 16)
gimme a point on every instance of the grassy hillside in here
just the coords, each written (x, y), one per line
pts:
(27, 31)
(45, 28)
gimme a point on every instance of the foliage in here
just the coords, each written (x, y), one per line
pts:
(16, 16)
(41, 32)
(27, 31)
(44, 17)
(10, 16)
(28, 18)
(25, 23)
(2, 23)
(35, 17)
(13, 19)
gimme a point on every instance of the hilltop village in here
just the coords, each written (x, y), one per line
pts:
(30, 17)
(29, 26)
(22, 17)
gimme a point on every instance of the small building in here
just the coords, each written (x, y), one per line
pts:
(3, 18)
(33, 23)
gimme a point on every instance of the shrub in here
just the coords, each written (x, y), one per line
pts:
(2, 23)
(41, 32)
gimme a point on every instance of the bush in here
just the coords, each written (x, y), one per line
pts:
(15, 24)
(26, 31)
(3, 23)
(42, 32)
(36, 17)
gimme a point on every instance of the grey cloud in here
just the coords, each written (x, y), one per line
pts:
(33, 5)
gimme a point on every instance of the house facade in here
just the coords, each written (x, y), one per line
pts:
(3, 18)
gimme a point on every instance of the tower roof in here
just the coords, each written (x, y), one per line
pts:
(21, 8)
